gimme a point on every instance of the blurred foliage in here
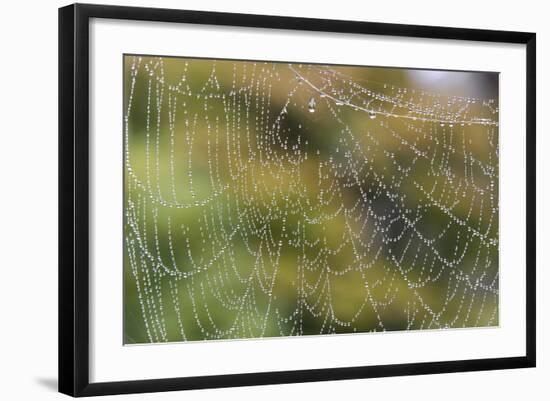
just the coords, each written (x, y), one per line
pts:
(249, 215)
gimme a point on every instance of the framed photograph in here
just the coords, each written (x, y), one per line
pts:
(249, 199)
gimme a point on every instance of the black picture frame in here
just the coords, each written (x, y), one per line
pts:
(74, 194)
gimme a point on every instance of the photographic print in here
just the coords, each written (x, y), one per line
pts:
(274, 199)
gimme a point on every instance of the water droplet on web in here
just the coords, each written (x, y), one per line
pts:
(311, 105)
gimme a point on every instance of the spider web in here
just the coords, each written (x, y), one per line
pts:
(272, 199)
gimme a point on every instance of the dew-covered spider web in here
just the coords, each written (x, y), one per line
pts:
(272, 199)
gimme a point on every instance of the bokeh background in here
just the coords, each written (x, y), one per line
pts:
(268, 199)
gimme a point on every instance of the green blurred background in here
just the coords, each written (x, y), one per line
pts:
(249, 215)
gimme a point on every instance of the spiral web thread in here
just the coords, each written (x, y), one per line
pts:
(248, 215)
